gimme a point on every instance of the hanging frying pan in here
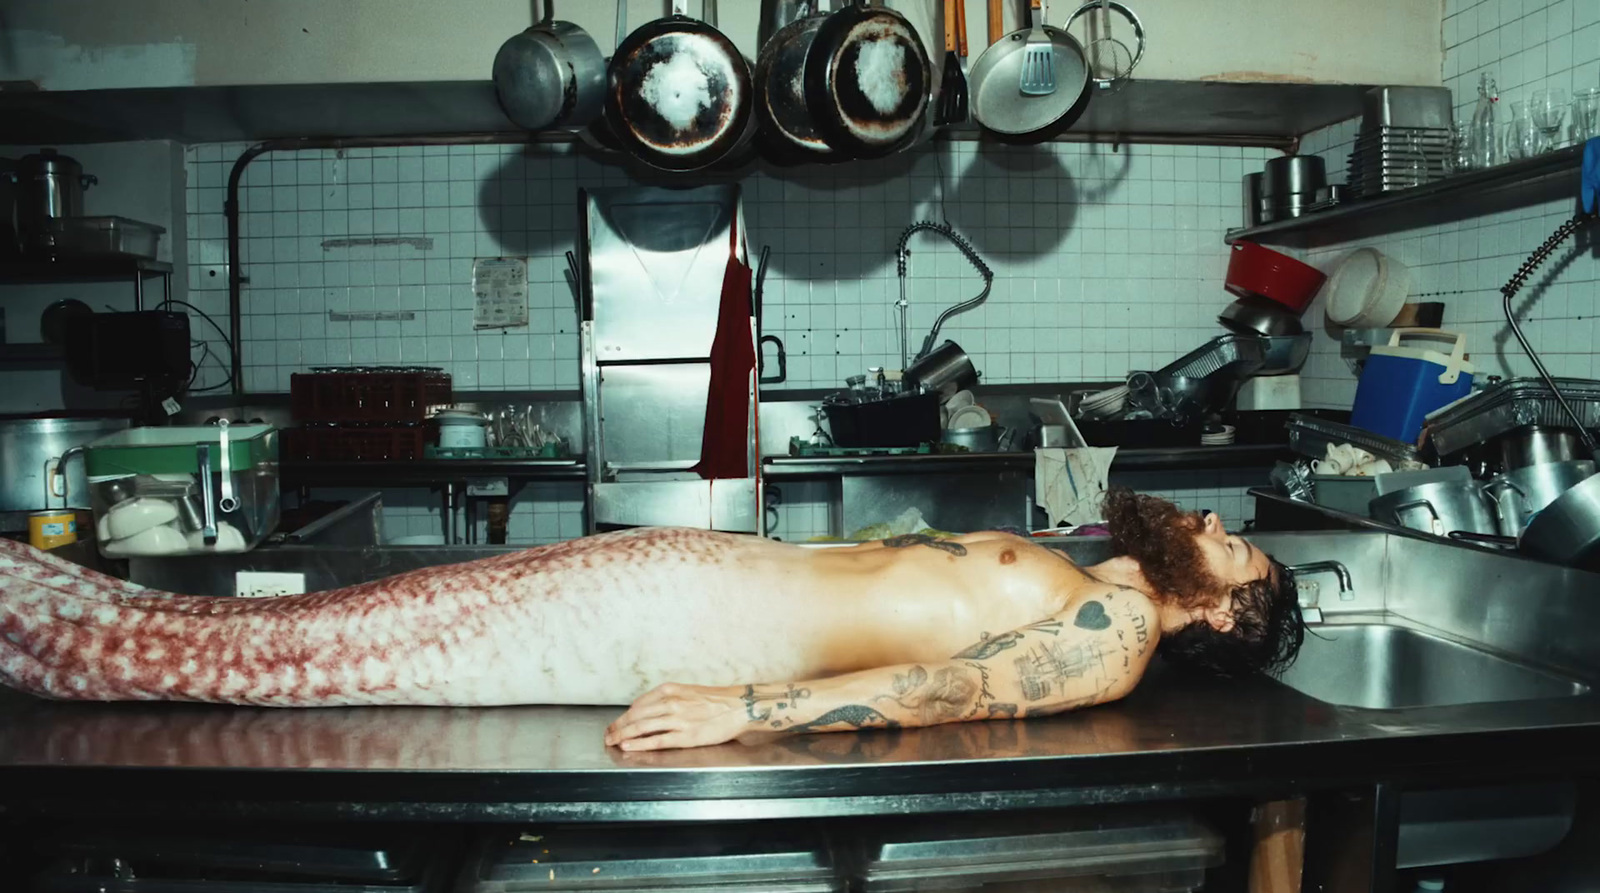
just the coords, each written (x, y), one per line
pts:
(1014, 117)
(550, 74)
(867, 81)
(788, 134)
(678, 94)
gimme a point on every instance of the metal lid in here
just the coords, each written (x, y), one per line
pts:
(48, 161)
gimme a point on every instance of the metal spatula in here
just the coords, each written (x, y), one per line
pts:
(1038, 75)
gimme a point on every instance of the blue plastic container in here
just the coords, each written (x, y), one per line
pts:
(1401, 383)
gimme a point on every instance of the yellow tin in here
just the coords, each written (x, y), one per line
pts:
(49, 529)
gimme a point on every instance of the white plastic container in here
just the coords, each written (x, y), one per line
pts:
(462, 429)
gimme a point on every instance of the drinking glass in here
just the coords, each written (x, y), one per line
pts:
(1549, 108)
(1586, 113)
(1521, 135)
(1461, 149)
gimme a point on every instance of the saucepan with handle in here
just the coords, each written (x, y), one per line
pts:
(550, 74)
(679, 94)
(1565, 532)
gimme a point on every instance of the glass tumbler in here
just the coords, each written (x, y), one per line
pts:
(1586, 114)
(1549, 109)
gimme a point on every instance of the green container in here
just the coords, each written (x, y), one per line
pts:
(151, 495)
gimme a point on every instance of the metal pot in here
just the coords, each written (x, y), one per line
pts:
(552, 73)
(30, 449)
(1568, 530)
(49, 187)
(868, 110)
(1538, 445)
(978, 440)
(678, 94)
(1437, 508)
(945, 369)
(1519, 495)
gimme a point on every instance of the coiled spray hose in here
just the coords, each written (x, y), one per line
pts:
(1509, 291)
(901, 255)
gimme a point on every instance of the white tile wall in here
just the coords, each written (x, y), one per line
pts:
(1105, 260)
(1527, 45)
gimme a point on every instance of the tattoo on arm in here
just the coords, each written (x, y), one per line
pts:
(948, 694)
(783, 699)
(1092, 616)
(922, 539)
(1047, 668)
(998, 710)
(854, 715)
(989, 646)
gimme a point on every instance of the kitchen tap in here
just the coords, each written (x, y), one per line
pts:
(901, 255)
(1347, 591)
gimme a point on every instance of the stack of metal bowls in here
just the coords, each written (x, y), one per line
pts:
(1404, 140)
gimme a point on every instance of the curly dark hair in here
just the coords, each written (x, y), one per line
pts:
(1267, 627)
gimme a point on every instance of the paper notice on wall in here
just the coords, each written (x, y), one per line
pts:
(500, 285)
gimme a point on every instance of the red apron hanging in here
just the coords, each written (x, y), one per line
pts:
(725, 446)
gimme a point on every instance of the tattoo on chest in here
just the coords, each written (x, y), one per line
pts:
(756, 703)
(922, 539)
(1048, 667)
(1092, 616)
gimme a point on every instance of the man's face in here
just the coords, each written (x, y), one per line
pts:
(1189, 558)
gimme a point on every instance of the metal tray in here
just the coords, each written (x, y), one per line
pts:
(105, 237)
(1509, 405)
(1310, 436)
(1249, 351)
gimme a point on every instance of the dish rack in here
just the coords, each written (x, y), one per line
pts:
(1508, 405)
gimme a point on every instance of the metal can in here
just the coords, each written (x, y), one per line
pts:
(49, 529)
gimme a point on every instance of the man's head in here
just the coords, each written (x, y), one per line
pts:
(1243, 613)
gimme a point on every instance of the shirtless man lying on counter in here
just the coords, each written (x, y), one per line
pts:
(710, 636)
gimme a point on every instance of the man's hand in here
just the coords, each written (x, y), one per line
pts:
(674, 715)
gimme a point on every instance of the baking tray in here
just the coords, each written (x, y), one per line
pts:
(1509, 405)
(1310, 436)
(105, 237)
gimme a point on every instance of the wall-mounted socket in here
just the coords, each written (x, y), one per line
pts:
(266, 584)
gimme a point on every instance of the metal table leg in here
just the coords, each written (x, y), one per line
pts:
(1352, 841)
(449, 517)
(138, 289)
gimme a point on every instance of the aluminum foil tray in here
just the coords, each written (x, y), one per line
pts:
(1509, 405)
(1310, 436)
(1249, 351)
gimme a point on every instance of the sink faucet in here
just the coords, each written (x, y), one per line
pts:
(1347, 591)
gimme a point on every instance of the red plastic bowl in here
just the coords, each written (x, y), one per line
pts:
(1254, 270)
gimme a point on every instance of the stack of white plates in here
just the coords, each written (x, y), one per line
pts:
(1107, 404)
(1389, 158)
(1222, 437)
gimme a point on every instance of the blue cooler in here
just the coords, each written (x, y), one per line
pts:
(1403, 381)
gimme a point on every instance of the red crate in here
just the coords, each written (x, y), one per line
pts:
(378, 443)
(368, 395)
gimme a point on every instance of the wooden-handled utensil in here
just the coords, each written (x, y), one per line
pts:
(953, 90)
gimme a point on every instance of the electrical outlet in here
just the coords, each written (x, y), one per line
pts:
(266, 584)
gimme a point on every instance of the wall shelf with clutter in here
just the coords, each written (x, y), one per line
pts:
(1516, 184)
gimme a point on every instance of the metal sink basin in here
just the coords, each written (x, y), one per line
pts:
(1384, 667)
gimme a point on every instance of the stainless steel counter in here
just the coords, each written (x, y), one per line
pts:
(1173, 738)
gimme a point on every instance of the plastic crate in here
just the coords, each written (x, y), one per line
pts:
(378, 443)
(368, 395)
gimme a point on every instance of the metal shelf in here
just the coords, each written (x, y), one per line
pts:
(67, 269)
(1517, 184)
(1157, 459)
(427, 472)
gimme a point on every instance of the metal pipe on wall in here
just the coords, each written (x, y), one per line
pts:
(231, 210)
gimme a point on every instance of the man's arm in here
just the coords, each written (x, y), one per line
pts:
(1093, 652)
